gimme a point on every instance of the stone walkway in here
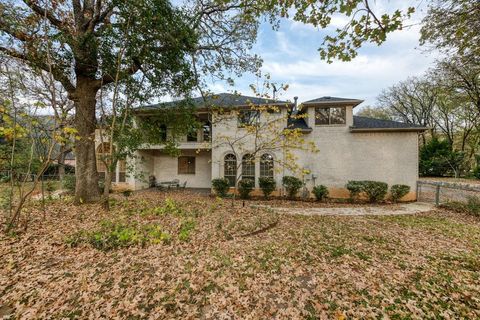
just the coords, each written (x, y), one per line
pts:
(407, 208)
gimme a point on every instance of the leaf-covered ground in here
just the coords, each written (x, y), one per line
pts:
(215, 261)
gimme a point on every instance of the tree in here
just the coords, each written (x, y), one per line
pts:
(438, 159)
(172, 47)
(452, 26)
(375, 112)
(411, 101)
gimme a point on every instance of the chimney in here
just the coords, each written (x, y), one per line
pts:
(295, 99)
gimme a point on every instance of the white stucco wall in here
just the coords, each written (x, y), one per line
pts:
(391, 157)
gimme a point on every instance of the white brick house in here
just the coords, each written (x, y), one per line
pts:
(350, 147)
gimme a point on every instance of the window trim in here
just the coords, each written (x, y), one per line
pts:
(188, 171)
(330, 124)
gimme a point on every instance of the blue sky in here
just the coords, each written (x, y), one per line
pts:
(290, 56)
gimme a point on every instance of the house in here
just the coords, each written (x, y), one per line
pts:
(349, 147)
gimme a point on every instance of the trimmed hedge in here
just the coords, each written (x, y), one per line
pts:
(292, 185)
(267, 185)
(320, 192)
(221, 186)
(374, 190)
(398, 191)
(245, 186)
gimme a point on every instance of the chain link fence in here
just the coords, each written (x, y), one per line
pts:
(441, 192)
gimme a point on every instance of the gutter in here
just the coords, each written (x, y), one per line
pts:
(419, 129)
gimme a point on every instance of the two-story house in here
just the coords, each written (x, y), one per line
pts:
(349, 147)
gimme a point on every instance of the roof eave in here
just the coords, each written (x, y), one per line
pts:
(422, 129)
(353, 103)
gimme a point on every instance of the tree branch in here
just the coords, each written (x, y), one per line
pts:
(60, 24)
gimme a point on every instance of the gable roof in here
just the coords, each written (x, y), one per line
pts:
(364, 124)
(333, 100)
(225, 100)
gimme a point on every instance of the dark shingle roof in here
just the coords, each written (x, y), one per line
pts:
(298, 123)
(366, 124)
(335, 100)
(218, 100)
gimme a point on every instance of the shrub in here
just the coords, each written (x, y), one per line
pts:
(50, 186)
(69, 182)
(398, 191)
(472, 206)
(476, 172)
(127, 193)
(267, 185)
(245, 186)
(320, 192)
(437, 159)
(221, 186)
(291, 185)
(354, 187)
(375, 190)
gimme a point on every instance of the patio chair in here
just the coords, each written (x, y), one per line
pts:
(182, 186)
(175, 183)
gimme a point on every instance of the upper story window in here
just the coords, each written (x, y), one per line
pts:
(332, 115)
(248, 117)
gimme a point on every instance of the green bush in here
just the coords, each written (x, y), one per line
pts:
(245, 186)
(221, 186)
(50, 186)
(320, 192)
(267, 185)
(437, 159)
(69, 182)
(292, 185)
(398, 191)
(472, 206)
(375, 190)
(354, 187)
(476, 172)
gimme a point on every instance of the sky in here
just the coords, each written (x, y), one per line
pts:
(291, 56)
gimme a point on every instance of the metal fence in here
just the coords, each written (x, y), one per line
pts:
(440, 192)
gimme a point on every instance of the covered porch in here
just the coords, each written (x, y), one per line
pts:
(192, 166)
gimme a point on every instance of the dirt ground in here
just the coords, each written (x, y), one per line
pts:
(213, 260)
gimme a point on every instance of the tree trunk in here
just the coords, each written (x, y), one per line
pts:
(86, 188)
(61, 163)
(106, 189)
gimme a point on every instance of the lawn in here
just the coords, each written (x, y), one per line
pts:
(198, 257)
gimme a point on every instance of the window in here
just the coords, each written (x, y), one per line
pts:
(163, 133)
(332, 115)
(186, 165)
(248, 167)
(122, 168)
(230, 169)
(266, 165)
(103, 156)
(248, 117)
(192, 135)
(207, 131)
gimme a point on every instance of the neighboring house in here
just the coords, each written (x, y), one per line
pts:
(350, 147)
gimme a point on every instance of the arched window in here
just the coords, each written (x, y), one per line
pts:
(248, 167)
(230, 169)
(266, 165)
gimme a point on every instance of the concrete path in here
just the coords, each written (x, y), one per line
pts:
(407, 208)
